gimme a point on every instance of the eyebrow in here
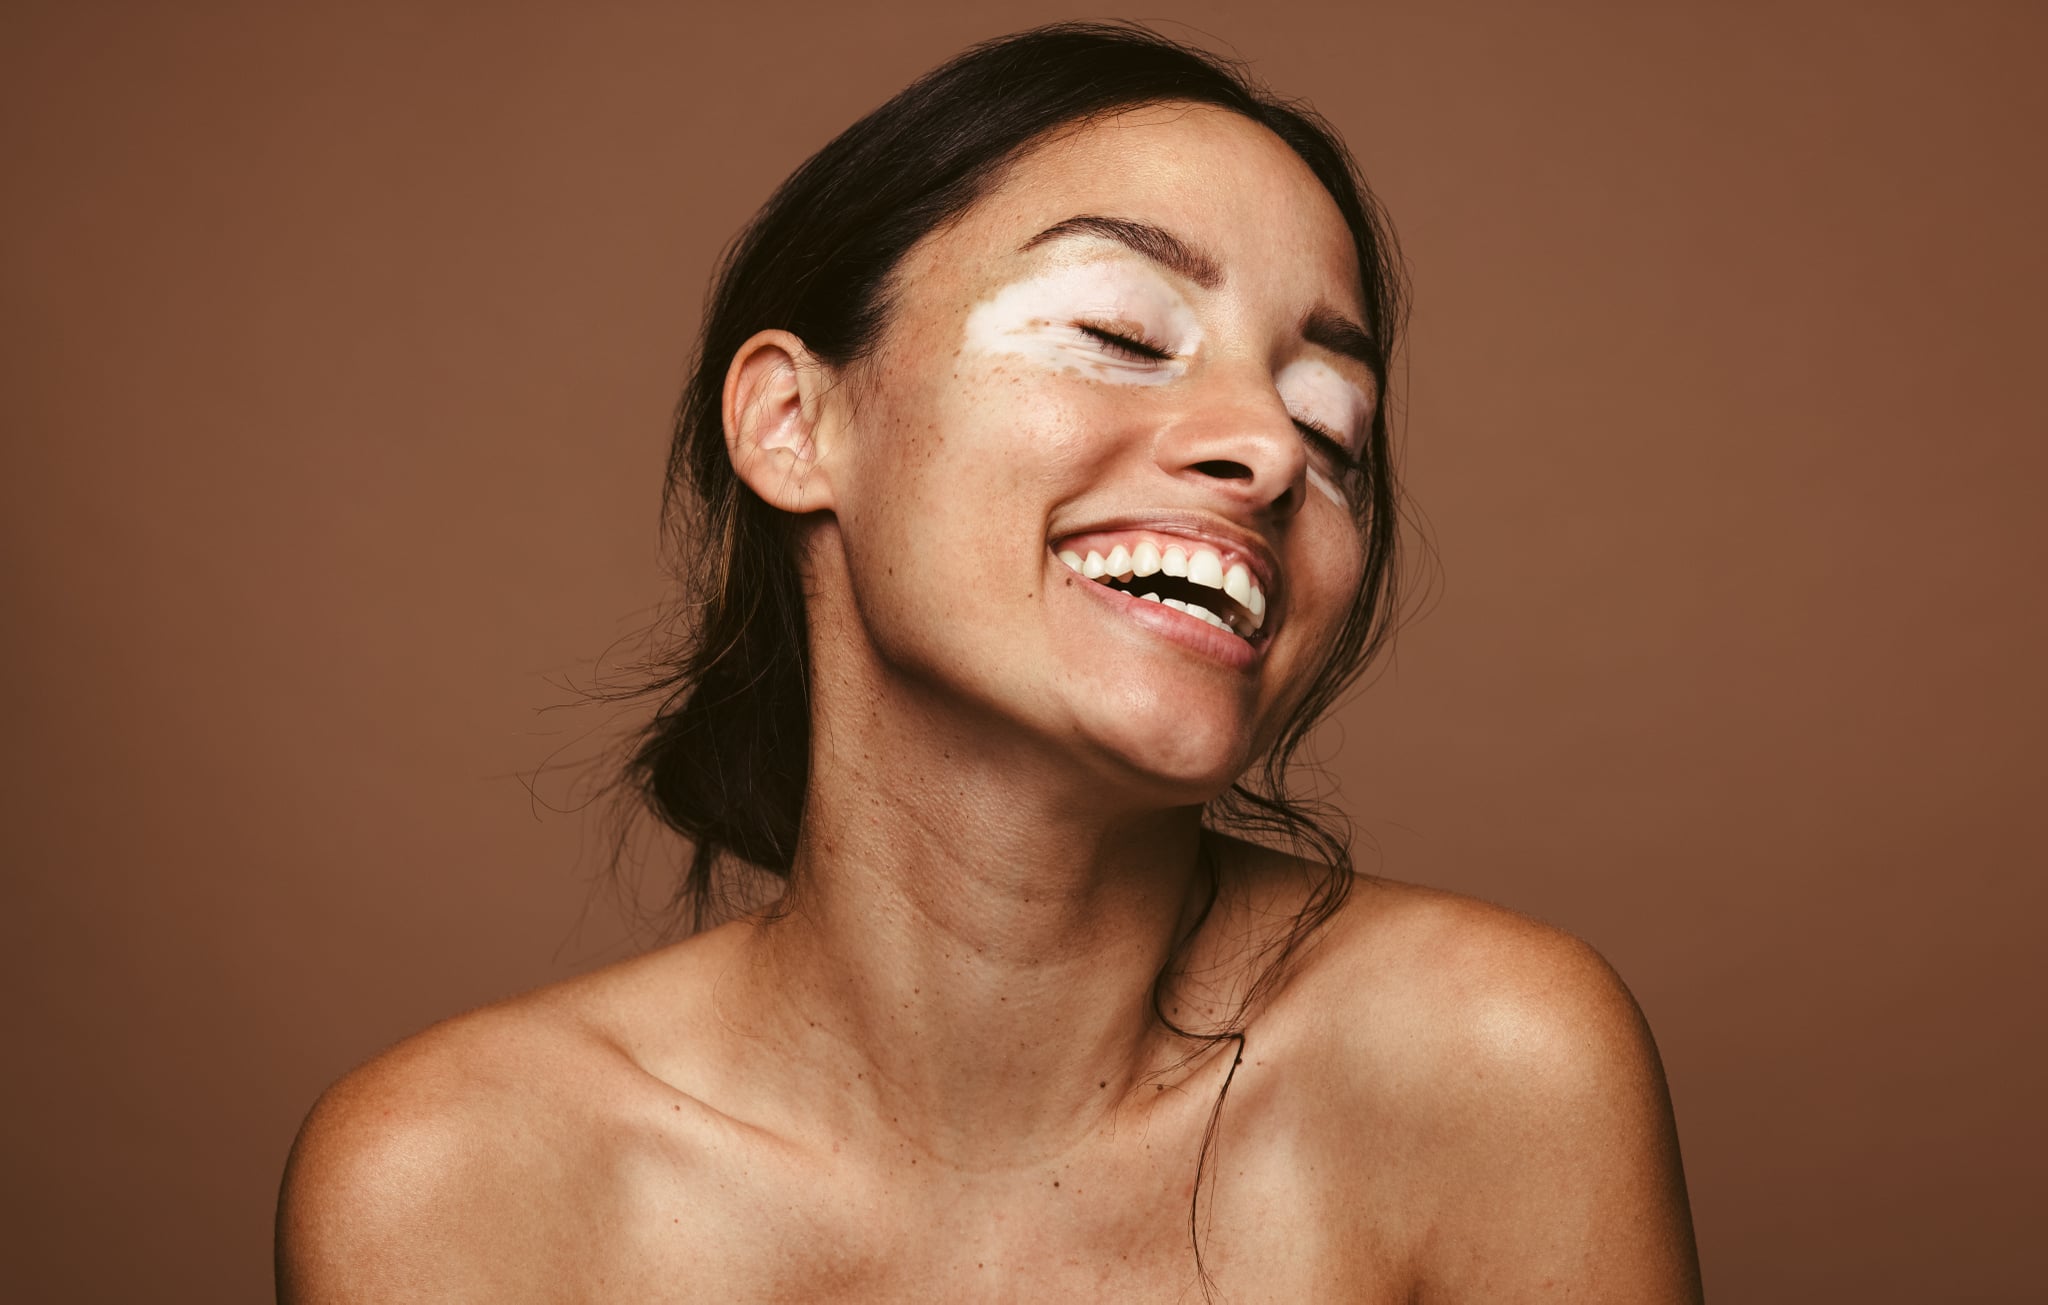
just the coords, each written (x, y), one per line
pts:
(1320, 326)
(1343, 337)
(1160, 245)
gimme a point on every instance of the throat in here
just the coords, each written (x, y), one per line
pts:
(1026, 1009)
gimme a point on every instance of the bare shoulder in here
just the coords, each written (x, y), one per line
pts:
(474, 1161)
(415, 1176)
(1498, 1076)
(1454, 976)
(1475, 988)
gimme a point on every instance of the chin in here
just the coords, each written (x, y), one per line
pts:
(1181, 760)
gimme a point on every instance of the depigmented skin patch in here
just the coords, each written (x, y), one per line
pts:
(1041, 319)
(1320, 394)
(1037, 319)
(1329, 491)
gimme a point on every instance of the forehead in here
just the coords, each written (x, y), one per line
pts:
(1217, 180)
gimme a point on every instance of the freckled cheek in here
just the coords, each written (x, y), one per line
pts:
(1036, 418)
(1332, 565)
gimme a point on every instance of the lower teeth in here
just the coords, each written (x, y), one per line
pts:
(1196, 609)
(1192, 609)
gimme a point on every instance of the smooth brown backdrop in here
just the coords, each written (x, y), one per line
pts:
(339, 345)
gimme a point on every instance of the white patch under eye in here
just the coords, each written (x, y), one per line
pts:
(1034, 319)
(1330, 491)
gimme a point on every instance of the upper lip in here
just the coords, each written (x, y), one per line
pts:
(1201, 528)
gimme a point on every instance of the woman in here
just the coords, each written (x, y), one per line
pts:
(1041, 491)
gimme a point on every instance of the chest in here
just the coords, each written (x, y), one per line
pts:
(1116, 1222)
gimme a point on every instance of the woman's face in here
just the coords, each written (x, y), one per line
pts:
(1092, 484)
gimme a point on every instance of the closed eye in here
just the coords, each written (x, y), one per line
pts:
(1338, 452)
(1123, 344)
(1335, 449)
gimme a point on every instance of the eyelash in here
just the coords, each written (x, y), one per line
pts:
(1124, 344)
(1149, 352)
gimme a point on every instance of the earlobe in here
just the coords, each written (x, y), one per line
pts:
(772, 410)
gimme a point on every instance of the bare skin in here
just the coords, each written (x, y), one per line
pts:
(934, 1074)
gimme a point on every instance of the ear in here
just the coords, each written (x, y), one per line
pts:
(773, 406)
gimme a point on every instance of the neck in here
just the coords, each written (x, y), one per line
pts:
(967, 944)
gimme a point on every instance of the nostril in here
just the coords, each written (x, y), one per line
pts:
(1222, 469)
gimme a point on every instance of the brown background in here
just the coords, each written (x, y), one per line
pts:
(339, 344)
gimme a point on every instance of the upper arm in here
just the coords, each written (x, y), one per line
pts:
(366, 1197)
(404, 1185)
(1565, 1147)
(1545, 1157)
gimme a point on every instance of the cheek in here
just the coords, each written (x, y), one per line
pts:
(952, 467)
(1333, 565)
(1007, 431)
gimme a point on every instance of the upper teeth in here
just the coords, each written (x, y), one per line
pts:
(1201, 566)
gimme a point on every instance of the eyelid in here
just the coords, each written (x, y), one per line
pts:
(1338, 450)
(1125, 339)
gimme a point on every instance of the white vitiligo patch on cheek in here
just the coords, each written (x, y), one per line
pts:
(1034, 319)
(1330, 491)
(1318, 393)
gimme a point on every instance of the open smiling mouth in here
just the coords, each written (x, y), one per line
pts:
(1185, 576)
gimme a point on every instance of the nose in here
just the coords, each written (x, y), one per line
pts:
(1239, 441)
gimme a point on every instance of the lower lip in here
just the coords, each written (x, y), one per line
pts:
(1191, 632)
